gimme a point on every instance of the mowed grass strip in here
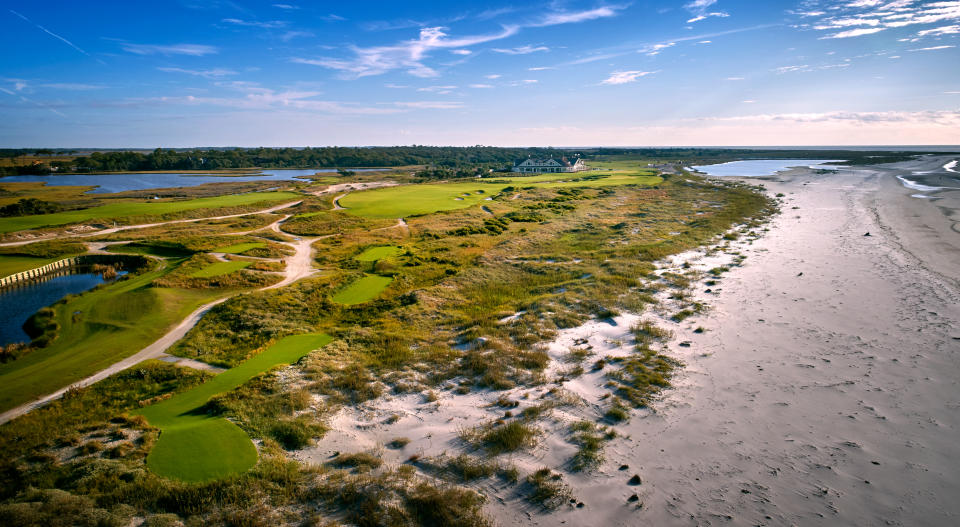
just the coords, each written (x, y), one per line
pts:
(416, 200)
(220, 269)
(138, 208)
(362, 290)
(240, 248)
(378, 253)
(194, 446)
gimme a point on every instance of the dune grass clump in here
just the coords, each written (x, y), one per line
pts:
(547, 489)
(641, 375)
(359, 460)
(498, 437)
(590, 438)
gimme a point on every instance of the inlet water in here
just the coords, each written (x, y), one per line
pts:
(20, 302)
(759, 167)
(110, 183)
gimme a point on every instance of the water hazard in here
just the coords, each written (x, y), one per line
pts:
(18, 303)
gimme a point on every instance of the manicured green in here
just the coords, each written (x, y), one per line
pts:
(138, 208)
(378, 253)
(240, 248)
(15, 263)
(97, 329)
(362, 290)
(415, 200)
(221, 268)
(195, 446)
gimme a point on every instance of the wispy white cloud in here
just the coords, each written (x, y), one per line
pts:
(855, 33)
(430, 105)
(933, 48)
(407, 55)
(943, 118)
(944, 30)
(873, 16)
(481, 86)
(332, 18)
(71, 86)
(272, 24)
(410, 55)
(290, 35)
(214, 73)
(442, 90)
(700, 10)
(655, 49)
(463, 52)
(195, 50)
(521, 50)
(286, 6)
(32, 102)
(624, 77)
(572, 17)
(493, 76)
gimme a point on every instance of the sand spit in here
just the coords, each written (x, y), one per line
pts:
(821, 389)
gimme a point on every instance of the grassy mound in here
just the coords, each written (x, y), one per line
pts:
(240, 248)
(362, 290)
(378, 253)
(194, 446)
(221, 268)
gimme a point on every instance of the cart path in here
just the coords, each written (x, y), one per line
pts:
(147, 225)
(298, 267)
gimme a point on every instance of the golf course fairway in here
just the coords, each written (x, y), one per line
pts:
(194, 446)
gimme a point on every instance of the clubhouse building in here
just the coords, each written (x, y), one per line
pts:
(531, 165)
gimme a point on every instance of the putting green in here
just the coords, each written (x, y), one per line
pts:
(378, 253)
(220, 268)
(362, 290)
(194, 446)
(240, 248)
(416, 200)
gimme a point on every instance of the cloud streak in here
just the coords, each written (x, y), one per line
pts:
(193, 50)
(56, 36)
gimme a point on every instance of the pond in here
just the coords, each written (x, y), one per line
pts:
(18, 303)
(110, 183)
(759, 167)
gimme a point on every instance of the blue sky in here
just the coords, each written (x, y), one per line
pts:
(285, 72)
